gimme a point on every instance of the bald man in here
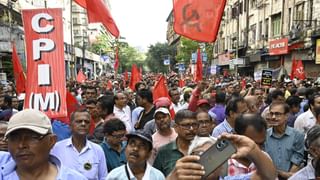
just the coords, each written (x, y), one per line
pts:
(252, 103)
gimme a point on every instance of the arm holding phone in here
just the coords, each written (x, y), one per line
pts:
(188, 168)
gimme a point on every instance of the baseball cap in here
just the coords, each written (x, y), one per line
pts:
(162, 110)
(162, 101)
(202, 101)
(31, 119)
(142, 135)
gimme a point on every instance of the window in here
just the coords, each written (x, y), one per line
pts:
(253, 4)
(253, 34)
(84, 21)
(299, 11)
(260, 31)
(289, 19)
(276, 24)
(75, 20)
(266, 30)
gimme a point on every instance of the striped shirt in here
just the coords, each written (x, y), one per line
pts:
(221, 128)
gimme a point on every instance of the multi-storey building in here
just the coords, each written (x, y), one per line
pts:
(268, 34)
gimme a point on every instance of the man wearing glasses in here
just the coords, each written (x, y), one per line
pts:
(30, 140)
(186, 126)
(114, 145)
(77, 152)
(283, 143)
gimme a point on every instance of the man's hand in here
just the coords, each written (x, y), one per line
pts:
(243, 144)
(187, 168)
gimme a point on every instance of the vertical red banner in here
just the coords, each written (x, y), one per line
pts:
(46, 81)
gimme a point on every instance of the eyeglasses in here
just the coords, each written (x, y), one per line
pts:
(31, 138)
(276, 114)
(189, 126)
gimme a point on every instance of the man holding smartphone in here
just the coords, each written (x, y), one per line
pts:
(188, 168)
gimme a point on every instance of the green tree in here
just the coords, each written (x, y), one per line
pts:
(156, 54)
(129, 55)
(186, 48)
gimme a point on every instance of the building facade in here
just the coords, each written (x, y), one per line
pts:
(267, 34)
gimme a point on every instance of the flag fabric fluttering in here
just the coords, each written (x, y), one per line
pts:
(19, 75)
(81, 77)
(99, 13)
(299, 70)
(160, 89)
(81, 3)
(198, 69)
(293, 68)
(135, 77)
(198, 19)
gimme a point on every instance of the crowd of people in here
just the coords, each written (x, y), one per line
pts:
(122, 133)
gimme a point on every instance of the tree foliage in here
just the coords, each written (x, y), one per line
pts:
(127, 55)
(156, 55)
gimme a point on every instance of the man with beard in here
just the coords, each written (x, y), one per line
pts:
(77, 152)
(186, 126)
(164, 134)
(138, 150)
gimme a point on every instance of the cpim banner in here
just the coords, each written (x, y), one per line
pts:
(46, 85)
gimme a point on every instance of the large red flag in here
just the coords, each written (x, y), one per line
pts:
(198, 19)
(116, 63)
(293, 68)
(198, 70)
(160, 89)
(299, 70)
(98, 12)
(81, 77)
(135, 76)
(81, 3)
(19, 75)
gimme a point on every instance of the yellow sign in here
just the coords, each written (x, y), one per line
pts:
(318, 52)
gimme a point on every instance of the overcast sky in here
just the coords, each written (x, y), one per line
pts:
(141, 22)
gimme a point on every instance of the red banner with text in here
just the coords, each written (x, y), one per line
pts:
(278, 47)
(46, 85)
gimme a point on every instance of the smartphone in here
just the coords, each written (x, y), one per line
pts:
(216, 155)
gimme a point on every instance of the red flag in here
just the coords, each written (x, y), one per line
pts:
(109, 85)
(181, 83)
(81, 3)
(81, 77)
(243, 84)
(198, 19)
(293, 68)
(299, 70)
(135, 77)
(19, 75)
(98, 12)
(160, 89)
(198, 70)
(116, 63)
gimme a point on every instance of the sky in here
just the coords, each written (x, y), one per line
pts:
(141, 22)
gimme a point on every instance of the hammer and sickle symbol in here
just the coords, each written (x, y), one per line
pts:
(192, 20)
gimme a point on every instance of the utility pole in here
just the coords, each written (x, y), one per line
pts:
(238, 30)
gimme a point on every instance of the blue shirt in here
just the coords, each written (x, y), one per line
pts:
(285, 150)
(221, 128)
(114, 158)
(150, 173)
(9, 171)
(219, 112)
(90, 162)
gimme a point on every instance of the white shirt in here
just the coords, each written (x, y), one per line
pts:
(177, 107)
(305, 121)
(124, 115)
(90, 162)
